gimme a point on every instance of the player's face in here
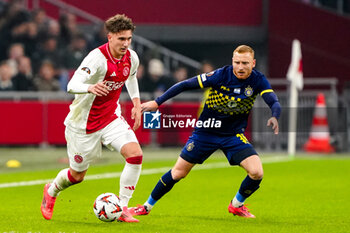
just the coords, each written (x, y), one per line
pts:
(119, 43)
(243, 64)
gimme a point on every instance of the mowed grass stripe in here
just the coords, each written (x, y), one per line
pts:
(151, 171)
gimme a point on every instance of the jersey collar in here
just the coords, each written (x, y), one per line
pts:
(113, 59)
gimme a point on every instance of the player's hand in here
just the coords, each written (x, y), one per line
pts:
(274, 123)
(99, 89)
(149, 106)
(136, 115)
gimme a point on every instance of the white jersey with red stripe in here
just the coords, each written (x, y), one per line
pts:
(88, 112)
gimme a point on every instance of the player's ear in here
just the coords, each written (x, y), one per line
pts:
(109, 36)
(254, 62)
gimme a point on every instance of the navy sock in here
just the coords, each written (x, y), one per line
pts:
(249, 186)
(164, 185)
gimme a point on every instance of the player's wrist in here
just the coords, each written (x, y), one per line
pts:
(158, 101)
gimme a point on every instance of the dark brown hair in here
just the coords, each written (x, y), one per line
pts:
(119, 23)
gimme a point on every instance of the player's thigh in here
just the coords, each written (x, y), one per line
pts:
(82, 149)
(199, 147)
(118, 134)
(237, 148)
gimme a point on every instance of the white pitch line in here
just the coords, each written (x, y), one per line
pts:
(144, 172)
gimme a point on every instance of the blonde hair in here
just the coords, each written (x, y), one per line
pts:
(244, 49)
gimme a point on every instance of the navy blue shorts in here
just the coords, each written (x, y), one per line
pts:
(201, 145)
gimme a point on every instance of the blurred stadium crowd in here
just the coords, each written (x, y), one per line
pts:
(39, 53)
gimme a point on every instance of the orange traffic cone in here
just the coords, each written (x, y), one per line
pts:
(319, 135)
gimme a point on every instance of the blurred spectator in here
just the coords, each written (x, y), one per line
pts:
(40, 19)
(180, 74)
(13, 15)
(15, 52)
(53, 28)
(23, 81)
(48, 51)
(68, 27)
(26, 34)
(46, 79)
(6, 74)
(99, 38)
(156, 81)
(75, 52)
(207, 67)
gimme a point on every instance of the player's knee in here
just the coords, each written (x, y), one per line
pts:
(131, 150)
(178, 174)
(77, 178)
(256, 174)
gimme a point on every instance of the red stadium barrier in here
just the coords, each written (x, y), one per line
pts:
(36, 122)
(21, 122)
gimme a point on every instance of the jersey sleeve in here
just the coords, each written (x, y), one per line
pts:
(264, 86)
(210, 79)
(131, 83)
(81, 79)
(270, 97)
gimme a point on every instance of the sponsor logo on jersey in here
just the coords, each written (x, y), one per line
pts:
(231, 104)
(113, 74)
(86, 69)
(126, 71)
(112, 86)
(248, 91)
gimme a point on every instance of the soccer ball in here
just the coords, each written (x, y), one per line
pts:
(107, 207)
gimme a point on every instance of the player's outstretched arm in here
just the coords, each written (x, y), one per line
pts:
(274, 123)
(149, 106)
(176, 89)
(188, 84)
(271, 100)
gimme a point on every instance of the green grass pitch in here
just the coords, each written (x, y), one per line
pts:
(307, 194)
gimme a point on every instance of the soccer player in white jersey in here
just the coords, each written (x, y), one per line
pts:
(95, 115)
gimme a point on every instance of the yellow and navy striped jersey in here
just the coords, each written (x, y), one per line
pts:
(230, 99)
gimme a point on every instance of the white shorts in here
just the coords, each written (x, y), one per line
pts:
(84, 148)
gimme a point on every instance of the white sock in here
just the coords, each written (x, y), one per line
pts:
(236, 203)
(60, 183)
(128, 181)
(148, 206)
